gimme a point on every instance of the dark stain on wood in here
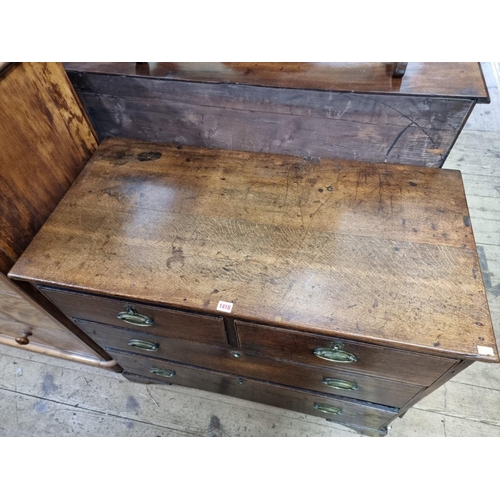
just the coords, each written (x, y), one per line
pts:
(149, 156)
(177, 257)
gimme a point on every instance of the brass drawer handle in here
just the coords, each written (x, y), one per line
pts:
(131, 316)
(337, 383)
(327, 409)
(143, 344)
(162, 372)
(335, 353)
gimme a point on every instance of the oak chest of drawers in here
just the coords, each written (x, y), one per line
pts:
(339, 289)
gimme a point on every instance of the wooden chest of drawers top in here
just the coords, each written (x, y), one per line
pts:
(376, 253)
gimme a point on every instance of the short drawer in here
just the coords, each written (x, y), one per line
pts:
(321, 379)
(156, 346)
(342, 410)
(149, 318)
(384, 362)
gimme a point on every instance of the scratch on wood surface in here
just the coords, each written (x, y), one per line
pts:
(395, 141)
(156, 402)
(411, 120)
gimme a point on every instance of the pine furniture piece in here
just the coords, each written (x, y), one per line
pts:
(339, 289)
(356, 111)
(45, 141)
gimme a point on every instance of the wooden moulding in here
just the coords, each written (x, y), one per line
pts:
(69, 356)
(455, 80)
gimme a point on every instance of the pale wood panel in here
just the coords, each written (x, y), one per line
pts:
(51, 338)
(434, 402)
(482, 207)
(480, 375)
(481, 185)
(463, 427)
(486, 232)
(6, 288)
(418, 423)
(16, 308)
(65, 334)
(465, 401)
(23, 415)
(472, 402)
(487, 117)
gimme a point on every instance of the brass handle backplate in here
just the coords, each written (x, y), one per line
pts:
(323, 408)
(162, 372)
(132, 317)
(24, 340)
(143, 344)
(335, 353)
(337, 383)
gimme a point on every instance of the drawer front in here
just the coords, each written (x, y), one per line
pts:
(321, 379)
(299, 347)
(166, 322)
(351, 411)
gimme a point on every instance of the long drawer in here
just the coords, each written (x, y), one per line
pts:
(153, 319)
(321, 379)
(315, 350)
(336, 408)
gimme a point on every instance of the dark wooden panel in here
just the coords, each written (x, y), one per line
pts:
(175, 324)
(45, 141)
(457, 79)
(6, 263)
(376, 390)
(379, 361)
(375, 253)
(375, 128)
(354, 412)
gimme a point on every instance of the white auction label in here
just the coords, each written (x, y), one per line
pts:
(224, 306)
(485, 350)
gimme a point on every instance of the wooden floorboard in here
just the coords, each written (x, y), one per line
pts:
(42, 396)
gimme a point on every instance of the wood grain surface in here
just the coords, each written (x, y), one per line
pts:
(47, 337)
(413, 129)
(45, 140)
(377, 253)
(457, 79)
(50, 329)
